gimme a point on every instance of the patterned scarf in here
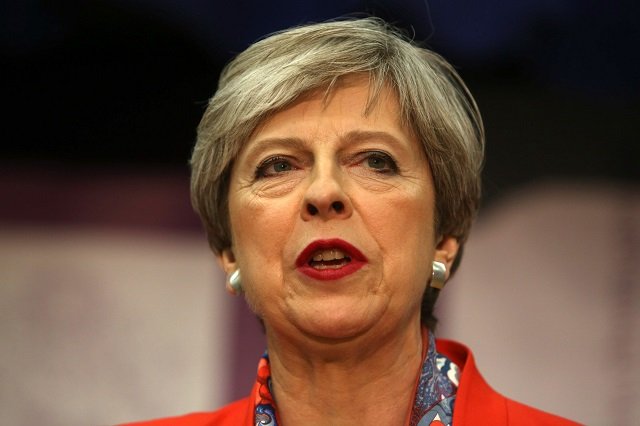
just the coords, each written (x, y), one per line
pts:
(433, 401)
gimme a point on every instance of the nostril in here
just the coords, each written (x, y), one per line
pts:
(313, 210)
(337, 206)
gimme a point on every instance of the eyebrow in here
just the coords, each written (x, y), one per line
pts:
(364, 135)
(277, 141)
(353, 136)
(261, 145)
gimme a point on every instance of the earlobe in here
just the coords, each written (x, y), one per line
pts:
(227, 261)
(446, 252)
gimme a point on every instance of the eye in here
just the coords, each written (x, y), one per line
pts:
(380, 162)
(273, 166)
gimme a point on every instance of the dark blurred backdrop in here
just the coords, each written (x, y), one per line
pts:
(108, 84)
(101, 99)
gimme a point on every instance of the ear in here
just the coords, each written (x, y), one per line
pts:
(227, 261)
(446, 251)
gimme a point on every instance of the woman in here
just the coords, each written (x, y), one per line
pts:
(337, 172)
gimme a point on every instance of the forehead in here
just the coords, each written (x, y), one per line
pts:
(351, 100)
(368, 88)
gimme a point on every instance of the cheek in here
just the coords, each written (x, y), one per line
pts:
(260, 231)
(403, 219)
(256, 231)
(403, 228)
(257, 226)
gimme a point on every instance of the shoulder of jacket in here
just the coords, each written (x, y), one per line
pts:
(522, 414)
(232, 414)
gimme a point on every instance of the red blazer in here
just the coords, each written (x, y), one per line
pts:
(476, 403)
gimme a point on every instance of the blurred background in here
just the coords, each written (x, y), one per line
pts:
(111, 305)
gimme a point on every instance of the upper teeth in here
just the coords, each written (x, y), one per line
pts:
(328, 254)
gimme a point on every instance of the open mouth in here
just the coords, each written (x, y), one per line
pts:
(330, 259)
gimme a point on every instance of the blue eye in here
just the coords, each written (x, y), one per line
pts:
(273, 166)
(381, 163)
(280, 166)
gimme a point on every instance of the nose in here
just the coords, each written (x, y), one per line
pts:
(325, 197)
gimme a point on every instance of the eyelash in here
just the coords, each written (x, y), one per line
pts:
(391, 164)
(392, 167)
(261, 170)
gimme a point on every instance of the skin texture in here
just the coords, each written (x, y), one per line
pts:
(323, 169)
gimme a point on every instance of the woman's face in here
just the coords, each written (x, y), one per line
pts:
(332, 217)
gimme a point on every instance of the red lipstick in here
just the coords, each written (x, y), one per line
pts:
(333, 269)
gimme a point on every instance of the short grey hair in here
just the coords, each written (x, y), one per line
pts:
(275, 71)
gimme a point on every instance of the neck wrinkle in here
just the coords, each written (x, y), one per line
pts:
(366, 382)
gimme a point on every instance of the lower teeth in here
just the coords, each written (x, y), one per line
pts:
(326, 266)
(329, 264)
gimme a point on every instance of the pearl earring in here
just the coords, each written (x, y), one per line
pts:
(438, 275)
(235, 281)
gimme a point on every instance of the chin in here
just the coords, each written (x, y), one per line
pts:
(337, 323)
